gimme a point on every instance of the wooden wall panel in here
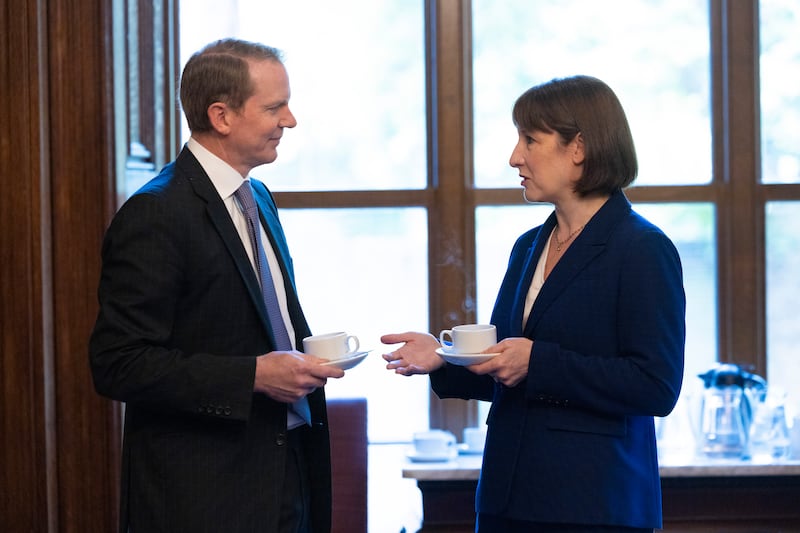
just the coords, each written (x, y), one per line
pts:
(81, 162)
(60, 441)
(27, 439)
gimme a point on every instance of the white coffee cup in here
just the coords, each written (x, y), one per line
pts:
(469, 338)
(337, 345)
(434, 443)
(475, 438)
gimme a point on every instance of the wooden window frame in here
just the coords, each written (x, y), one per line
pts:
(451, 199)
(66, 141)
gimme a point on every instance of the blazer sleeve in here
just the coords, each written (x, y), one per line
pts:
(452, 381)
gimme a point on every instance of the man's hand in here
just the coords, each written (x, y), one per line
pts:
(289, 376)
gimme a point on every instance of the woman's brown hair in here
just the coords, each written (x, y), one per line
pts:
(583, 105)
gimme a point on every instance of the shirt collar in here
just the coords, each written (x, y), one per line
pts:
(223, 176)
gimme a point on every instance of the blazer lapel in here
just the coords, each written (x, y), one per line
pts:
(586, 247)
(531, 260)
(274, 230)
(575, 259)
(221, 219)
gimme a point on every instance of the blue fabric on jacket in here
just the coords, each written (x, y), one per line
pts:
(575, 441)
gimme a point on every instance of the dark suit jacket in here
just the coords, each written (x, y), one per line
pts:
(575, 441)
(181, 321)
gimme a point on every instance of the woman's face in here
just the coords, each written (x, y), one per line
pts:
(548, 167)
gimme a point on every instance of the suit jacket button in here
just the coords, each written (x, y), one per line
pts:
(227, 411)
(281, 439)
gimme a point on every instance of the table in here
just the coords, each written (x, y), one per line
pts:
(708, 497)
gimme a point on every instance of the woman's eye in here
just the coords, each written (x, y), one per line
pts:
(528, 139)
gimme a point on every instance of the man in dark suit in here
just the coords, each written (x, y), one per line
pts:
(218, 435)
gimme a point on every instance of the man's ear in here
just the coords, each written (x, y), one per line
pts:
(577, 146)
(219, 115)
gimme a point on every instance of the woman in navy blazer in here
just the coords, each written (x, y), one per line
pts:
(591, 322)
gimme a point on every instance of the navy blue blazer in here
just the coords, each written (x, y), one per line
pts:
(575, 441)
(181, 320)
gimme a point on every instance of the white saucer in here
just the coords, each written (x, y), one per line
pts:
(464, 359)
(415, 457)
(348, 362)
(463, 449)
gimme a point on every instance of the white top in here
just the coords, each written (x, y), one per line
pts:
(536, 282)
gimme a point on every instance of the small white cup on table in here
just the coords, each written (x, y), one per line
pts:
(434, 443)
(474, 439)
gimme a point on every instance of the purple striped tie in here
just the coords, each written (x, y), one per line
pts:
(282, 342)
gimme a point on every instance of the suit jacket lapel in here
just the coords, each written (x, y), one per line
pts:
(274, 230)
(531, 260)
(221, 219)
(586, 247)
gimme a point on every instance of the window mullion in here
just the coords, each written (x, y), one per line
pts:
(741, 214)
(452, 226)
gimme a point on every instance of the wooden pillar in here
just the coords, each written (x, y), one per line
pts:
(60, 441)
(449, 36)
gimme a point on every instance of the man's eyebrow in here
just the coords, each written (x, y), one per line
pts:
(277, 103)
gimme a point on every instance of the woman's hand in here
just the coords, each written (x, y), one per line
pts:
(416, 356)
(510, 365)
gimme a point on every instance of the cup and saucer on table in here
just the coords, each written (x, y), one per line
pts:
(434, 445)
(340, 349)
(474, 440)
(466, 342)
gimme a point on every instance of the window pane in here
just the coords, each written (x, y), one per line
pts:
(783, 293)
(780, 99)
(357, 73)
(365, 271)
(496, 230)
(656, 58)
(691, 228)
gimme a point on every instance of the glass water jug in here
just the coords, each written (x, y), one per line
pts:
(726, 412)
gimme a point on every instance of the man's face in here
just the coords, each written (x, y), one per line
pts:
(257, 127)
